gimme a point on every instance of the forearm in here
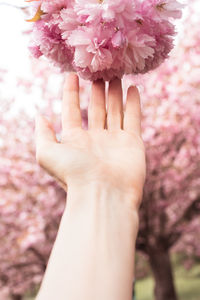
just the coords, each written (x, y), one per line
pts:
(93, 256)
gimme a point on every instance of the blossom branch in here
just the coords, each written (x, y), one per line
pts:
(12, 5)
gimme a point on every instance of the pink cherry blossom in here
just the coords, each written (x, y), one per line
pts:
(105, 38)
(139, 48)
(96, 11)
(49, 6)
(47, 40)
(162, 9)
(32, 203)
(90, 50)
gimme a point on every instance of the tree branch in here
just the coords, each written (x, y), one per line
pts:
(12, 5)
(192, 210)
(39, 255)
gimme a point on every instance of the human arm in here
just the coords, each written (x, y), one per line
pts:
(103, 170)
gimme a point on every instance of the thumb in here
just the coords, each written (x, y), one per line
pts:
(44, 132)
(45, 139)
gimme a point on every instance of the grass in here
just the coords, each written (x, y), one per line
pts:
(187, 285)
(188, 289)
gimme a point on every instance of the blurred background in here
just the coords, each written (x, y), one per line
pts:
(31, 202)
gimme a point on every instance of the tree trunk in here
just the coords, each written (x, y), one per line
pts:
(163, 275)
(16, 297)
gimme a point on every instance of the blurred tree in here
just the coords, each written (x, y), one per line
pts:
(171, 112)
(32, 203)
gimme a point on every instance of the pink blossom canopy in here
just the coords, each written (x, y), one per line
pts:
(104, 38)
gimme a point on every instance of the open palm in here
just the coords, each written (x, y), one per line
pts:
(111, 150)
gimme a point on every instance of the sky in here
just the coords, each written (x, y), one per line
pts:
(13, 43)
(15, 57)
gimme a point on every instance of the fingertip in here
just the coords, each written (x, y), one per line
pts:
(37, 117)
(132, 115)
(71, 82)
(99, 81)
(43, 128)
(115, 91)
(96, 107)
(115, 82)
(115, 105)
(71, 114)
(41, 121)
(134, 90)
(98, 85)
(38, 120)
(133, 99)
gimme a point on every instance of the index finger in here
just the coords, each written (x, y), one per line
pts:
(71, 113)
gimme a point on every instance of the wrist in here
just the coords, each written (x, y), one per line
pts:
(103, 199)
(131, 191)
(101, 226)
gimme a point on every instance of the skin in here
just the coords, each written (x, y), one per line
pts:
(107, 151)
(103, 170)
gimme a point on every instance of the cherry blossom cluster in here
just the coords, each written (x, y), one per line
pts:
(104, 38)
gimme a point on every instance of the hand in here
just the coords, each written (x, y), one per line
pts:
(110, 151)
